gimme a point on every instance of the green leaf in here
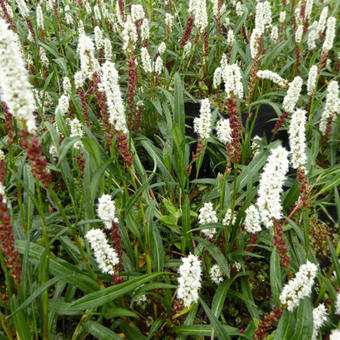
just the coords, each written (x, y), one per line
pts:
(219, 331)
(132, 333)
(170, 208)
(20, 324)
(216, 254)
(190, 319)
(179, 115)
(154, 328)
(275, 277)
(206, 330)
(36, 293)
(59, 268)
(66, 145)
(304, 320)
(285, 327)
(99, 298)
(335, 260)
(186, 223)
(219, 297)
(119, 312)
(97, 178)
(157, 249)
(99, 331)
(221, 294)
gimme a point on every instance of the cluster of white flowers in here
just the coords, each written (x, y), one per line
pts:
(337, 304)
(227, 216)
(335, 335)
(49, 5)
(322, 20)
(227, 22)
(107, 49)
(137, 13)
(312, 36)
(16, 89)
(78, 79)
(282, 16)
(254, 42)
(76, 131)
(106, 210)
(2, 187)
(202, 124)
(311, 82)
(292, 95)
(88, 63)
(319, 318)
(169, 20)
(105, 255)
(146, 61)
(53, 152)
(161, 48)
(96, 12)
(24, 11)
(114, 97)
(297, 12)
(190, 280)
(330, 34)
(67, 85)
(158, 65)
(273, 76)
(252, 220)
(207, 214)
(187, 48)
(272, 179)
(259, 17)
(88, 8)
(298, 34)
(300, 286)
(216, 274)
(63, 104)
(40, 17)
(267, 14)
(239, 9)
(30, 38)
(98, 37)
(308, 8)
(274, 34)
(223, 131)
(141, 299)
(201, 16)
(332, 106)
(230, 37)
(129, 34)
(231, 75)
(216, 10)
(145, 30)
(68, 16)
(2, 192)
(297, 139)
(43, 57)
(81, 29)
(217, 78)
(256, 144)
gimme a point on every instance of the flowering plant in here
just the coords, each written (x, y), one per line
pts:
(169, 169)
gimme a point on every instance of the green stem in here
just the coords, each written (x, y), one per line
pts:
(45, 270)
(306, 229)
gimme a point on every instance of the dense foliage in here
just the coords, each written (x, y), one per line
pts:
(169, 169)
